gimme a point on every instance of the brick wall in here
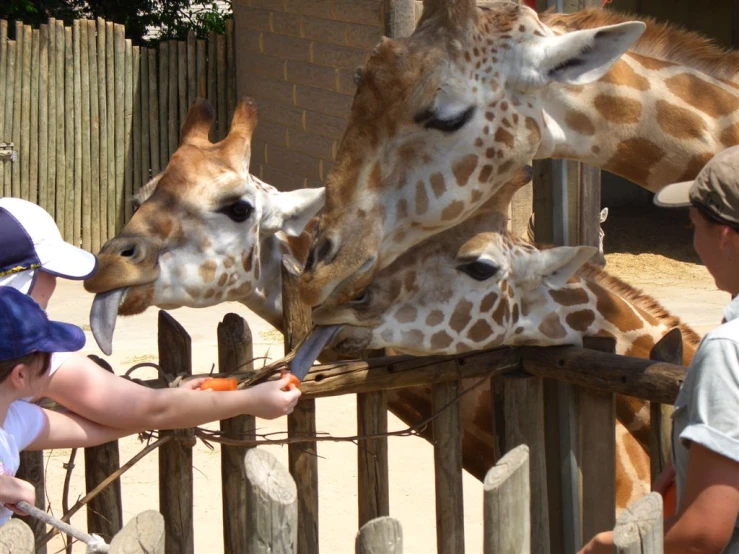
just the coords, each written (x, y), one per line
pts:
(297, 58)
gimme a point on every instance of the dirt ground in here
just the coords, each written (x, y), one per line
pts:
(651, 250)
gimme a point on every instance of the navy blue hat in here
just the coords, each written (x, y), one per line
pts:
(25, 328)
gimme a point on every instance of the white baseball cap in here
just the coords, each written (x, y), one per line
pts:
(30, 241)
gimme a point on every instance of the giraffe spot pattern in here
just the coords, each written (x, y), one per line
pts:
(440, 340)
(552, 327)
(414, 337)
(730, 135)
(464, 168)
(618, 109)
(651, 63)
(580, 122)
(485, 173)
(569, 296)
(615, 310)
(461, 316)
(580, 320)
(694, 166)
(438, 185)
(480, 331)
(641, 347)
(247, 259)
(679, 122)
(207, 271)
(453, 211)
(503, 136)
(434, 318)
(406, 314)
(402, 209)
(222, 279)
(422, 199)
(704, 96)
(621, 74)
(640, 149)
(502, 312)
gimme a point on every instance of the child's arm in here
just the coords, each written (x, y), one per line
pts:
(13, 490)
(68, 430)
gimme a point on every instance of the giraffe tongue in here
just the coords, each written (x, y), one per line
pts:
(311, 348)
(103, 314)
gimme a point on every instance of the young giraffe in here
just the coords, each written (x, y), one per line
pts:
(206, 231)
(442, 118)
(475, 287)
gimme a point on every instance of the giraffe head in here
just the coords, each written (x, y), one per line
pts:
(205, 231)
(439, 122)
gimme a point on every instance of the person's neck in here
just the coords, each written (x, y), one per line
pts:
(7, 396)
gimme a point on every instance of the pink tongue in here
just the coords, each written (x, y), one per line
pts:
(309, 351)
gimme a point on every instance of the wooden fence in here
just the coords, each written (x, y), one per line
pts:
(86, 118)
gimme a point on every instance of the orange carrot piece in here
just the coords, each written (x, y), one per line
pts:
(220, 384)
(294, 382)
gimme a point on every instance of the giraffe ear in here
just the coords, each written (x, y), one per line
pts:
(554, 266)
(199, 119)
(575, 58)
(450, 13)
(290, 211)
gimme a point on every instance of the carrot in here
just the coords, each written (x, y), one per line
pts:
(669, 501)
(220, 384)
(294, 382)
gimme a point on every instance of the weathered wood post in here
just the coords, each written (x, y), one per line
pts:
(639, 529)
(175, 457)
(383, 535)
(302, 457)
(144, 534)
(31, 469)
(271, 505)
(16, 538)
(507, 504)
(235, 352)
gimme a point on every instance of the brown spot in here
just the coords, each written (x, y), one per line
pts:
(414, 337)
(207, 271)
(501, 135)
(490, 116)
(210, 293)
(453, 211)
(569, 296)
(485, 173)
(679, 122)
(222, 279)
(704, 96)
(247, 259)
(475, 196)
(434, 318)
(464, 168)
(422, 199)
(730, 135)
(437, 184)
(409, 281)
(461, 316)
(387, 336)
(501, 311)
(651, 63)
(490, 152)
(580, 320)
(440, 340)
(503, 106)
(480, 331)
(257, 270)
(618, 109)
(579, 122)
(622, 74)
(615, 310)
(504, 167)
(624, 161)
(402, 209)
(694, 166)
(514, 314)
(595, 149)
(228, 262)
(534, 132)
(641, 347)
(552, 328)
(406, 314)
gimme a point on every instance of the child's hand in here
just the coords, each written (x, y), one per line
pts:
(193, 384)
(13, 490)
(273, 399)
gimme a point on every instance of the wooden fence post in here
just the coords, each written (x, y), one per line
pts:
(175, 457)
(31, 469)
(639, 529)
(507, 504)
(235, 353)
(144, 534)
(382, 535)
(272, 505)
(16, 538)
(302, 457)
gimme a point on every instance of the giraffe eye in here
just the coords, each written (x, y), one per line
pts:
(238, 211)
(362, 299)
(479, 270)
(429, 119)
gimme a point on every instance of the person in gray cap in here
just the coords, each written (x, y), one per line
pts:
(705, 423)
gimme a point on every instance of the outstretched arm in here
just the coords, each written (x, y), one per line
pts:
(92, 392)
(68, 430)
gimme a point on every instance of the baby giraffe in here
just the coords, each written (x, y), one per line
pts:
(476, 287)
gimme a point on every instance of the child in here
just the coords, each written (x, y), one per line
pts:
(32, 255)
(705, 436)
(27, 338)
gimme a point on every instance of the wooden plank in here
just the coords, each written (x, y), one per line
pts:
(222, 109)
(68, 192)
(135, 126)
(77, 108)
(230, 69)
(372, 457)
(127, 126)
(143, 99)
(447, 433)
(383, 535)
(235, 353)
(200, 69)
(52, 121)
(175, 457)
(192, 77)
(507, 504)
(302, 457)
(33, 159)
(639, 529)
(43, 118)
(119, 48)
(173, 128)
(102, 129)
(181, 85)
(31, 469)
(154, 114)
(25, 143)
(8, 86)
(60, 120)
(97, 236)
(212, 80)
(163, 103)
(3, 93)
(84, 105)
(110, 94)
(15, 168)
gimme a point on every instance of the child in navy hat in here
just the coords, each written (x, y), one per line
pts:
(27, 339)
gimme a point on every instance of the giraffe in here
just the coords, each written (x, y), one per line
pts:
(476, 287)
(442, 118)
(205, 231)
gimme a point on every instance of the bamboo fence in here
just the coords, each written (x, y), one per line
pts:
(86, 118)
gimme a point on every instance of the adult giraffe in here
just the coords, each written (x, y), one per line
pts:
(206, 231)
(441, 119)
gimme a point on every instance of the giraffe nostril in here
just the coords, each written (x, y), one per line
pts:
(321, 252)
(128, 253)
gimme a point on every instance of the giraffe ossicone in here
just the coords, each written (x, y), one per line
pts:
(205, 231)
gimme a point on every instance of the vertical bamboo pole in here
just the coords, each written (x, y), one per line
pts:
(230, 68)
(128, 120)
(43, 117)
(201, 79)
(25, 149)
(212, 79)
(154, 112)
(173, 128)
(135, 126)
(96, 233)
(87, 194)
(221, 87)
(52, 123)
(33, 119)
(3, 92)
(145, 131)
(69, 135)
(110, 93)
(119, 47)
(163, 102)
(61, 156)
(8, 85)
(77, 107)
(182, 83)
(192, 79)
(17, 107)
(103, 129)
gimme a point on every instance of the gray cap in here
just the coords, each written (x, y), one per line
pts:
(716, 188)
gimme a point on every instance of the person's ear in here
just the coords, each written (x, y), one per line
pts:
(19, 376)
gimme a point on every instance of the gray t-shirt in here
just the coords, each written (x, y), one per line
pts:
(707, 407)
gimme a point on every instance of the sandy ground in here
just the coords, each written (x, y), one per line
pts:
(662, 264)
